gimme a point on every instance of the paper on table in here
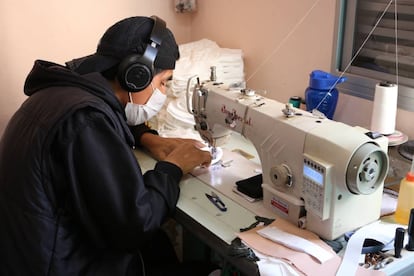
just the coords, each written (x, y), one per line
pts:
(302, 262)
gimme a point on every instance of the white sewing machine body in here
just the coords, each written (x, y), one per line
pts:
(317, 173)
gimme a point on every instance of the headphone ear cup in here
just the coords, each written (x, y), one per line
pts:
(133, 74)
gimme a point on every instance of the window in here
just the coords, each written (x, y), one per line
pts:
(367, 47)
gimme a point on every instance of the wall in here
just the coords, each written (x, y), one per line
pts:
(283, 41)
(59, 31)
(356, 111)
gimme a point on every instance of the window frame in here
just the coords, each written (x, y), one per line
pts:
(357, 84)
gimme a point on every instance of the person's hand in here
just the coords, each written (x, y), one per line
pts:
(171, 150)
(159, 147)
(187, 155)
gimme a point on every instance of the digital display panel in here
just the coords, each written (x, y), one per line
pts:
(313, 174)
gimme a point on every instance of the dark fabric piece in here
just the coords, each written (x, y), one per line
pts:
(251, 186)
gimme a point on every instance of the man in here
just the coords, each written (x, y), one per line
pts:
(73, 199)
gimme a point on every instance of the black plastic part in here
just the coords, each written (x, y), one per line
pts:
(251, 186)
(398, 241)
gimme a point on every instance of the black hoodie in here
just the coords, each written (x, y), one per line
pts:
(73, 199)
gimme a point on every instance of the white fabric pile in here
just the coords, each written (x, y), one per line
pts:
(196, 58)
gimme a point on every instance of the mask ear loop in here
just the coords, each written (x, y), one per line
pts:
(130, 97)
(153, 90)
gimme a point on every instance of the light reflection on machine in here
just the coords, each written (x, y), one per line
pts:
(317, 173)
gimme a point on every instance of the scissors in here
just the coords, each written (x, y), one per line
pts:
(215, 199)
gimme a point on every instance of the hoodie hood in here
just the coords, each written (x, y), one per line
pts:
(46, 74)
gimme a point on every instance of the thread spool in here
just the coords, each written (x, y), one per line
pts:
(295, 101)
(213, 74)
(385, 108)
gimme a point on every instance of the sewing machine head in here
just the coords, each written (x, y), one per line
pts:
(320, 174)
(198, 95)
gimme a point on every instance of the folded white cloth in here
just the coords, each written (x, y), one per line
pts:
(196, 58)
(296, 243)
(270, 266)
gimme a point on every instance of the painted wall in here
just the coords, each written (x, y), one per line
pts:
(59, 31)
(282, 41)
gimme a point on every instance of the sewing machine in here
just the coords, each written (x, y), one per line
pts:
(319, 174)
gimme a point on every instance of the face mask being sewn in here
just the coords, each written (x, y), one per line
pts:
(137, 113)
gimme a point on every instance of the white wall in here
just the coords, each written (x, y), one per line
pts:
(58, 31)
(283, 41)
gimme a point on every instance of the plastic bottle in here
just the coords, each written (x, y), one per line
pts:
(405, 197)
(320, 84)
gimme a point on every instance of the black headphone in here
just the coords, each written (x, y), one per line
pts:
(135, 72)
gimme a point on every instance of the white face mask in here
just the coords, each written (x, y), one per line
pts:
(137, 113)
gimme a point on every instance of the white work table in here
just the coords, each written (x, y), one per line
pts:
(204, 220)
(240, 213)
(217, 228)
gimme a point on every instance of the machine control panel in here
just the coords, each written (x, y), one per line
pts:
(316, 192)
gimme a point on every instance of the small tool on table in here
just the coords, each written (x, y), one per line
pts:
(215, 199)
(259, 220)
